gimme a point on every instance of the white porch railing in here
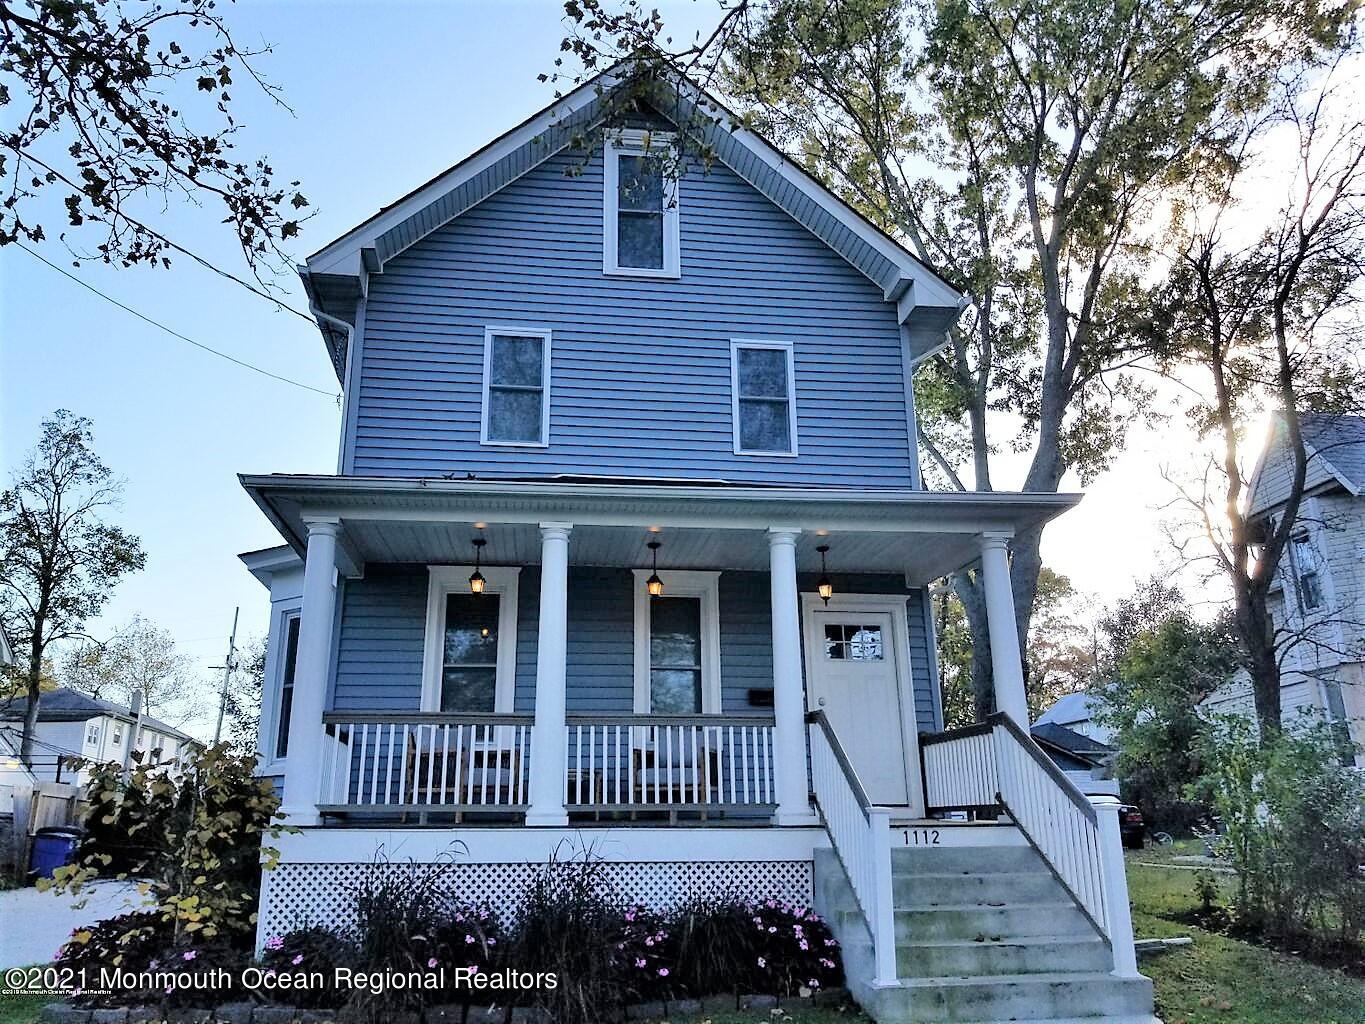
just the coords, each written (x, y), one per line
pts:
(861, 835)
(425, 761)
(995, 764)
(668, 762)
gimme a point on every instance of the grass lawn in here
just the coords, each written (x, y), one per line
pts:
(1220, 980)
(22, 1009)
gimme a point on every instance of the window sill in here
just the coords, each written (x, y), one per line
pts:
(514, 444)
(766, 455)
(637, 272)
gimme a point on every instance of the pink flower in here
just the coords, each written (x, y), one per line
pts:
(469, 940)
(772, 929)
(804, 944)
(630, 915)
(762, 962)
(297, 960)
(649, 942)
(274, 942)
(492, 942)
(826, 962)
(813, 983)
(663, 972)
(188, 955)
(473, 968)
(640, 962)
(432, 962)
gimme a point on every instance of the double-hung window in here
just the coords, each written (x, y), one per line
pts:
(764, 397)
(1305, 563)
(640, 207)
(516, 386)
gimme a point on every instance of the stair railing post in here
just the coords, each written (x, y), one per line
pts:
(883, 909)
(1117, 915)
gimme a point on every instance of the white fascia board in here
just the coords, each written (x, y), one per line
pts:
(265, 563)
(344, 256)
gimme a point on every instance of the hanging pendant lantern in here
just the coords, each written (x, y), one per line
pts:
(824, 587)
(654, 585)
(477, 583)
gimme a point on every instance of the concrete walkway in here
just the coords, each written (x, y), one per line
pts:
(33, 924)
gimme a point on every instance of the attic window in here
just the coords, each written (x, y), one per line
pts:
(640, 207)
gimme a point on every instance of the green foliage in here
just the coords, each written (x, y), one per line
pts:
(1206, 891)
(1159, 664)
(196, 841)
(1293, 820)
(59, 561)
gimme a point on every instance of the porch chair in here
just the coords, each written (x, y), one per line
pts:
(671, 778)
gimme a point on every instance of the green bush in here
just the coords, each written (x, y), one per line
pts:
(1293, 828)
(194, 840)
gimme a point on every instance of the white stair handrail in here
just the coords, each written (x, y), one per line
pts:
(861, 836)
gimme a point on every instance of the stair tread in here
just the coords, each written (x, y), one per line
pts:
(948, 908)
(1052, 978)
(1023, 940)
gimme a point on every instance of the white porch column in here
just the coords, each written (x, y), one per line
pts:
(1006, 666)
(303, 765)
(1117, 913)
(547, 735)
(789, 694)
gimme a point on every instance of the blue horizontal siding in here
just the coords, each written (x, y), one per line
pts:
(641, 368)
(383, 620)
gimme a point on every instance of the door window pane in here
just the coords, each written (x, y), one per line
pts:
(469, 667)
(291, 658)
(675, 655)
(845, 642)
(516, 389)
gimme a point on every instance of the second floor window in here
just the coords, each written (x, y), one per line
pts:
(764, 398)
(516, 386)
(640, 208)
(1305, 564)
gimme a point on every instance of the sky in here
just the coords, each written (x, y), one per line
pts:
(383, 97)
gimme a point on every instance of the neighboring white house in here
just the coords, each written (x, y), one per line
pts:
(1076, 711)
(1318, 599)
(74, 726)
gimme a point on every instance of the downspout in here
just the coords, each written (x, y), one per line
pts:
(336, 323)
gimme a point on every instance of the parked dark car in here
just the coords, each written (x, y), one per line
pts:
(1131, 826)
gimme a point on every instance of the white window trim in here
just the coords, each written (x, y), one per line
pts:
(454, 579)
(633, 143)
(681, 583)
(267, 731)
(516, 331)
(781, 346)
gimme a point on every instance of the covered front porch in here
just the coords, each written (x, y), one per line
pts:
(569, 691)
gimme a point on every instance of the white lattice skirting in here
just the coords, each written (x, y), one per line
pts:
(298, 895)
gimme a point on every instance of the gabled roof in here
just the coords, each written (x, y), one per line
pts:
(1072, 742)
(66, 705)
(1336, 447)
(1073, 707)
(334, 277)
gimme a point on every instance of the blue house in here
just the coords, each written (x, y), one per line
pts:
(627, 550)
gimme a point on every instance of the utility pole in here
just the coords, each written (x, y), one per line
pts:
(227, 677)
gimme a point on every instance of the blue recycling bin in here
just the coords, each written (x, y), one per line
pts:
(53, 848)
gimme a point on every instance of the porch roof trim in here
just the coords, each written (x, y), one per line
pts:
(288, 499)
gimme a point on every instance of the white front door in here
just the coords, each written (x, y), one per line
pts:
(856, 675)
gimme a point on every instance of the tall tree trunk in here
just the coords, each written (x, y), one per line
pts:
(973, 599)
(34, 689)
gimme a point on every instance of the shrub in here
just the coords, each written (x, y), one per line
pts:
(1294, 830)
(310, 949)
(195, 839)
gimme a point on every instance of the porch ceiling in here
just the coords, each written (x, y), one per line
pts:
(923, 534)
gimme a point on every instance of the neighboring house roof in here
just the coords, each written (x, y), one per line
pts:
(334, 276)
(1072, 742)
(65, 705)
(1072, 708)
(1336, 451)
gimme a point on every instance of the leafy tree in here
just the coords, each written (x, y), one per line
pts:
(1022, 148)
(1269, 317)
(59, 561)
(118, 108)
(141, 658)
(1160, 673)
(246, 684)
(1060, 652)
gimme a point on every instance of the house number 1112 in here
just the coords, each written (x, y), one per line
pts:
(921, 837)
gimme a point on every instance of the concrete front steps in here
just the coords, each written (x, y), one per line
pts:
(984, 934)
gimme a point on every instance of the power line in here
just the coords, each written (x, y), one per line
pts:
(174, 333)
